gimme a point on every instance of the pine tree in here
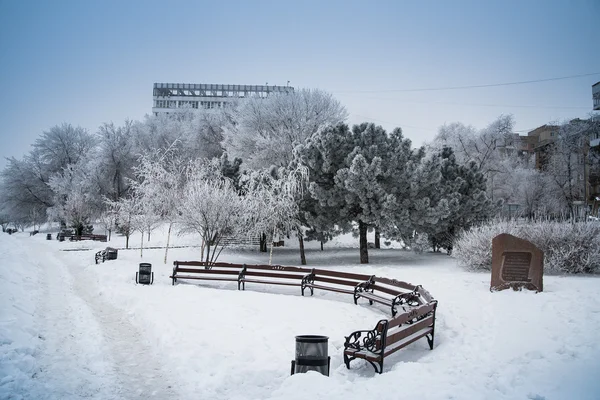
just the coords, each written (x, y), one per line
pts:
(464, 188)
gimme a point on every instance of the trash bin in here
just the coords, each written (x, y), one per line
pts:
(111, 253)
(145, 276)
(49, 236)
(311, 354)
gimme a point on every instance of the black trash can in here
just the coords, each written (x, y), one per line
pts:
(49, 236)
(111, 254)
(311, 354)
(145, 276)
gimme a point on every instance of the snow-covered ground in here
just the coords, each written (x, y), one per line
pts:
(71, 329)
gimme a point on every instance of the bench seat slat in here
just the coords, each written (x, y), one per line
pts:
(374, 297)
(406, 341)
(278, 268)
(337, 281)
(338, 274)
(388, 290)
(396, 283)
(273, 275)
(396, 334)
(339, 290)
(206, 271)
(204, 278)
(270, 282)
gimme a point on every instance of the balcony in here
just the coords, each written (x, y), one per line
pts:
(596, 95)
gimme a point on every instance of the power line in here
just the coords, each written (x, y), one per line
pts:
(472, 104)
(469, 86)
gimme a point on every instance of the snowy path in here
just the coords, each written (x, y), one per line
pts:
(88, 349)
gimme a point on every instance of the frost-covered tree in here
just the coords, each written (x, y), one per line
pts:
(484, 147)
(566, 163)
(126, 210)
(4, 220)
(108, 220)
(161, 178)
(462, 189)
(25, 182)
(25, 186)
(211, 207)
(265, 131)
(75, 201)
(355, 176)
(63, 145)
(274, 195)
(189, 134)
(113, 159)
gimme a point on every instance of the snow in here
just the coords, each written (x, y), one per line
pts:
(71, 329)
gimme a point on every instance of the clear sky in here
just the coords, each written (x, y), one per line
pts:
(89, 62)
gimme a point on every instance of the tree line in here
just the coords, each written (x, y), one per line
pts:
(275, 166)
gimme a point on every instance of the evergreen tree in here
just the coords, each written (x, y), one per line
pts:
(464, 189)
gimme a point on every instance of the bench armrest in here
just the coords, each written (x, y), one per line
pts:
(373, 340)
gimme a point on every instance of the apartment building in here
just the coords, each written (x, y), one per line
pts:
(169, 97)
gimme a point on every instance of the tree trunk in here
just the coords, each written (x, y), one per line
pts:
(142, 245)
(272, 245)
(321, 245)
(168, 239)
(148, 236)
(377, 239)
(127, 241)
(109, 232)
(263, 243)
(364, 252)
(208, 253)
(302, 254)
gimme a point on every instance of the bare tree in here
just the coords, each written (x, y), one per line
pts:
(264, 132)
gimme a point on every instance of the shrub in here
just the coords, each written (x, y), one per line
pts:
(568, 247)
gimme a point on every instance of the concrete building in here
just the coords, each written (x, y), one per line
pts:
(541, 139)
(168, 97)
(596, 95)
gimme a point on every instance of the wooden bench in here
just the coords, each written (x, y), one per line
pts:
(389, 336)
(389, 292)
(199, 270)
(415, 305)
(334, 281)
(240, 273)
(99, 238)
(272, 275)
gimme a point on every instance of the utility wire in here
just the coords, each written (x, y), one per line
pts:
(470, 104)
(470, 86)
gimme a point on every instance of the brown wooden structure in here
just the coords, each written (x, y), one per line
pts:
(412, 307)
(99, 238)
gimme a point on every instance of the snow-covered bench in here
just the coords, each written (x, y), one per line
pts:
(335, 281)
(389, 292)
(389, 336)
(240, 273)
(416, 307)
(100, 238)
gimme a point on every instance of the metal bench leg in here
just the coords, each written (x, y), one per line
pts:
(347, 360)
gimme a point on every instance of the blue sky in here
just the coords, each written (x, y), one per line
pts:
(89, 62)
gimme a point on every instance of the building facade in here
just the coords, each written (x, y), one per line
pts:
(596, 95)
(169, 97)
